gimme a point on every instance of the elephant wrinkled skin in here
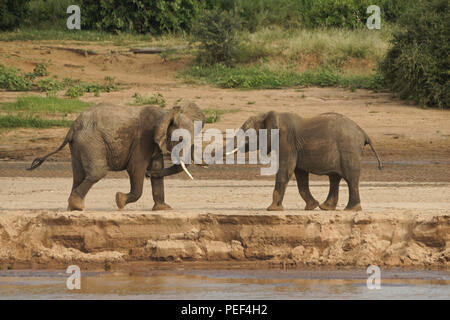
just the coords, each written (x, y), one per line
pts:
(329, 144)
(110, 137)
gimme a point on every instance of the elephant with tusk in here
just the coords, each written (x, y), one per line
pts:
(329, 144)
(110, 137)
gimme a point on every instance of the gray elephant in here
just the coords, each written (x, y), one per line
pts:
(110, 137)
(329, 144)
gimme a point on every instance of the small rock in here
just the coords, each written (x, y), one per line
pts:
(206, 234)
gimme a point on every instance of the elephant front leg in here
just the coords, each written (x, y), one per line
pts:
(333, 195)
(281, 182)
(158, 185)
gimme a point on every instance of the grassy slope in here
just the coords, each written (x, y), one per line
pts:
(25, 111)
(277, 58)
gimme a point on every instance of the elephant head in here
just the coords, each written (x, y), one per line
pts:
(179, 117)
(268, 121)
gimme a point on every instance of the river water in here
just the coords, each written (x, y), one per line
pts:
(204, 284)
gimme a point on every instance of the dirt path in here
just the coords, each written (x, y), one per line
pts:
(217, 195)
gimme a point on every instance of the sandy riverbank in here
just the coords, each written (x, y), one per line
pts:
(403, 224)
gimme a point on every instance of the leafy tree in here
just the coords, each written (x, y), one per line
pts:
(418, 64)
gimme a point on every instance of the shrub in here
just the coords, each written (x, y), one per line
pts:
(417, 66)
(310, 13)
(217, 32)
(12, 79)
(214, 115)
(157, 99)
(12, 13)
(40, 70)
(48, 13)
(77, 88)
(49, 85)
(155, 16)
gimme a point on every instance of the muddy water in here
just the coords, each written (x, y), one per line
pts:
(225, 284)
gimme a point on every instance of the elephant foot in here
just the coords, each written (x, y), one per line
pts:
(327, 206)
(121, 200)
(75, 203)
(161, 206)
(356, 207)
(275, 207)
(311, 205)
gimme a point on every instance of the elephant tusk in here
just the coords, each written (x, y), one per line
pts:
(186, 170)
(231, 152)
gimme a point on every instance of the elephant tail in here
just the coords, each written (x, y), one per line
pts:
(369, 142)
(38, 161)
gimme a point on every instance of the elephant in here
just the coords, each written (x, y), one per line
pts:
(328, 144)
(109, 137)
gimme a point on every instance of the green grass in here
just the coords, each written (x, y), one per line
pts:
(21, 121)
(260, 77)
(35, 104)
(272, 58)
(213, 115)
(328, 47)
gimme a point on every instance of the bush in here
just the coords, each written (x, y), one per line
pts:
(12, 79)
(49, 13)
(310, 13)
(417, 66)
(155, 16)
(217, 32)
(12, 13)
(157, 99)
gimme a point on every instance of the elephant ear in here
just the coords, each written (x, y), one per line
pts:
(175, 119)
(161, 130)
(270, 121)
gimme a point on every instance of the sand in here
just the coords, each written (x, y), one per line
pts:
(402, 225)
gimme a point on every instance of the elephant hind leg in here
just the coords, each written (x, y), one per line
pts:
(76, 198)
(89, 166)
(354, 201)
(333, 195)
(137, 176)
(77, 168)
(302, 177)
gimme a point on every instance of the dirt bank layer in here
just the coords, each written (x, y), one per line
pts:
(404, 224)
(384, 239)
